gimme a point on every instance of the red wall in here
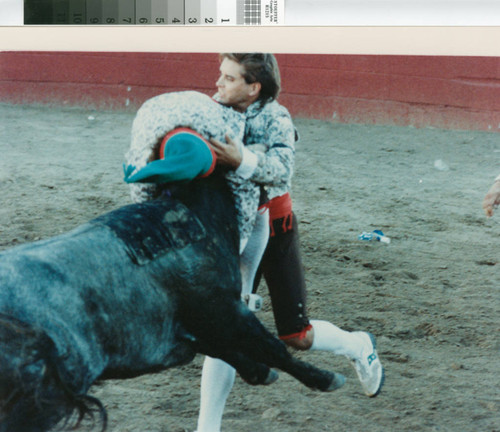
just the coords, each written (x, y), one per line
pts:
(447, 92)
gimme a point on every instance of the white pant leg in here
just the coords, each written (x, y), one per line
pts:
(329, 337)
(217, 380)
(252, 254)
(217, 377)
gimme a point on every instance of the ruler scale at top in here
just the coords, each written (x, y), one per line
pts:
(155, 12)
(126, 12)
(208, 12)
(142, 11)
(192, 12)
(159, 12)
(175, 12)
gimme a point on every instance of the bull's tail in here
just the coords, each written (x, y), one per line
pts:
(33, 396)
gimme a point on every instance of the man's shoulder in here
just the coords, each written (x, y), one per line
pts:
(270, 110)
(274, 105)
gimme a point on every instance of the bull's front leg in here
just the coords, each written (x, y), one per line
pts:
(274, 354)
(252, 372)
(241, 340)
(256, 373)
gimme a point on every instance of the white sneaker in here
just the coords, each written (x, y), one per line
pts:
(368, 367)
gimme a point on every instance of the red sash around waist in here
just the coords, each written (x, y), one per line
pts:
(280, 207)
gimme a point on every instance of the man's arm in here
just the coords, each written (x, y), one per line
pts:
(274, 167)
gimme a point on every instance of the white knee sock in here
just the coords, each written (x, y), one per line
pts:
(253, 251)
(217, 380)
(217, 376)
(329, 337)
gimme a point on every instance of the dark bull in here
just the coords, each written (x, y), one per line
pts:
(139, 289)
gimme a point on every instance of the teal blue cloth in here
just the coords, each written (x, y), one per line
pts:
(186, 156)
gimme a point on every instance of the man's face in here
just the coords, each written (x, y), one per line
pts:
(232, 87)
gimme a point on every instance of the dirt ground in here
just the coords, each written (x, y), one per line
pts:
(431, 296)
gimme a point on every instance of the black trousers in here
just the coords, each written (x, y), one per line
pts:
(282, 269)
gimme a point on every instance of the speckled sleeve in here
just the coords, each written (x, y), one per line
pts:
(275, 167)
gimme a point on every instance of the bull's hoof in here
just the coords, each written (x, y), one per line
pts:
(271, 377)
(337, 382)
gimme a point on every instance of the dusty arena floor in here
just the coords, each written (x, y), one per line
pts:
(431, 296)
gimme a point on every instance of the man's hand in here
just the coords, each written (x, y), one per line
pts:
(492, 199)
(227, 154)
